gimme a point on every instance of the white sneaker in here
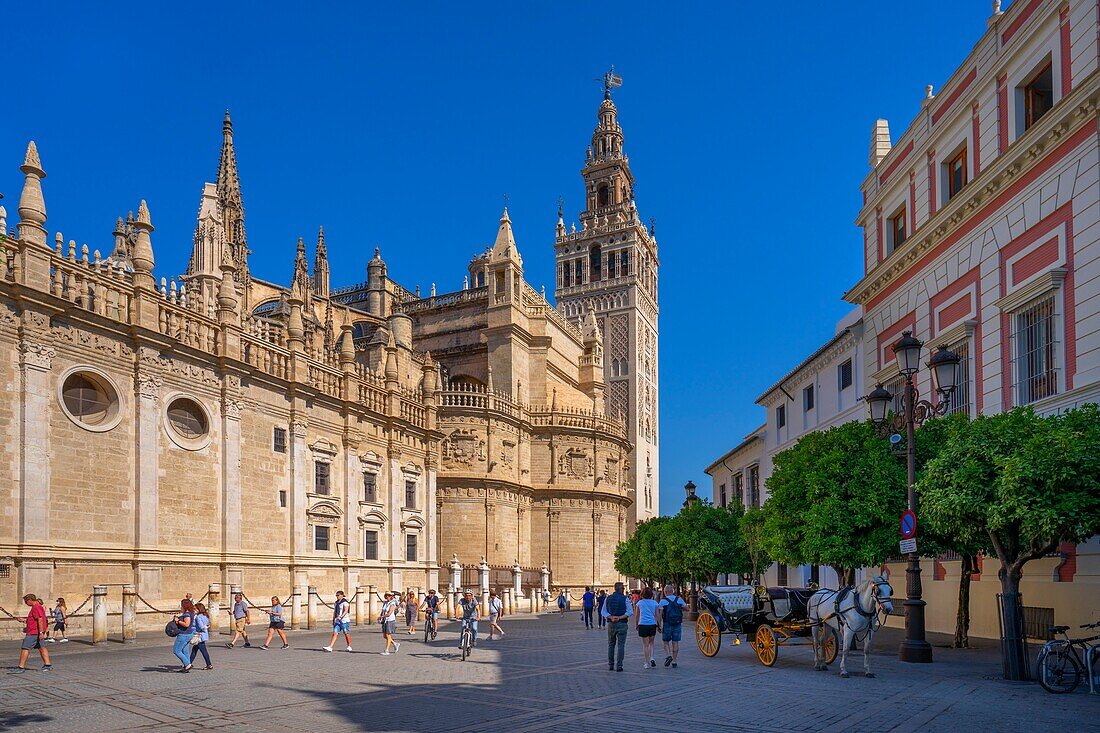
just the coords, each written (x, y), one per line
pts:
(348, 649)
(64, 640)
(51, 640)
(385, 654)
(396, 647)
(327, 648)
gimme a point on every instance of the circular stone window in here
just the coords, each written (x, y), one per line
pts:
(89, 399)
(187, 423)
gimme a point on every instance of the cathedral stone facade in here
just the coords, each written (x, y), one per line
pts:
(272, 436)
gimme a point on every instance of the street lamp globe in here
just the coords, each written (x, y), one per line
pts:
(879, 403)
(945, 367)
(689, 489)
(907, 351)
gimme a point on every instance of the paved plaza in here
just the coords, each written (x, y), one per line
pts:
(546, 674)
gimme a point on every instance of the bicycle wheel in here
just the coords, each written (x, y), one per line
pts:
(465, 645)
(427, 629)
(1059, 672)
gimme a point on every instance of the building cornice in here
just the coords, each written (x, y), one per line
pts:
(1071, 115)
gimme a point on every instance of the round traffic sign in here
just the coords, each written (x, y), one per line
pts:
(908, 524)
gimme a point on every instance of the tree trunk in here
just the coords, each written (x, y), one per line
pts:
(1013, 643)
(845, 576)
(962, 617)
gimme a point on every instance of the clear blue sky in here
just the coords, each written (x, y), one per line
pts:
(402, 126)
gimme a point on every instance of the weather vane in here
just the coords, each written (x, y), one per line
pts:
(506, 201)
(561, 205)
(611, 80)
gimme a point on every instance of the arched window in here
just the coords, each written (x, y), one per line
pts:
(624, 263)
(566, 275)
(603, 196)
(481, 279)
(578, 269)
(595, 260)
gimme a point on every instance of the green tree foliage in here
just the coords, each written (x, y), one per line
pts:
(753, 532)
(834, 499)
(698, 543)
(1024, 482)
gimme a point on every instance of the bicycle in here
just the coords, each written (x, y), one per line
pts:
(466, 640)
(1060, 666)
(430, 626)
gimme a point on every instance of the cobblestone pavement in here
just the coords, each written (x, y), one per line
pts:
(548, 673)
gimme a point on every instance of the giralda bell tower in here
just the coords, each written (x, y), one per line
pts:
(610, 266)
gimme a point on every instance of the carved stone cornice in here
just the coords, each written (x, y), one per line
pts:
(148, 386)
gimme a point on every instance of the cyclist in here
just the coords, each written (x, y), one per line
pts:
(430, 607)
(469, 607)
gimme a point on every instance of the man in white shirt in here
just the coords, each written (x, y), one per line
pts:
(388, 619)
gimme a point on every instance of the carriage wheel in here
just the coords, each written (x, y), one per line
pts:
(831, 641)
(707, 635)
(767, 648)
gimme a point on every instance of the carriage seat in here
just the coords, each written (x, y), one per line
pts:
(732, 597)
(796, 599)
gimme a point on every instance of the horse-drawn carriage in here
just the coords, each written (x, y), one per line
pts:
(767, 617)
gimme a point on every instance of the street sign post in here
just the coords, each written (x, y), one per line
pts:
(908, 525)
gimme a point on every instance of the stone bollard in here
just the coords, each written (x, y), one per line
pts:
(311, 607)
(99, 613)
(448, 610)
(371, 615)
(214, 606)
(508, 609)
(360, 591)
(296, 607)
(129, 614)
(534, 600)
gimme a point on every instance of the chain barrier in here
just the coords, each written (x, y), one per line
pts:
(154, 608)
(322, 600)
(9, 615)
(77, 611)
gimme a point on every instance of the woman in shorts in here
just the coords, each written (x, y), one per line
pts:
(645, 620)
(60, 616)
(276, 624)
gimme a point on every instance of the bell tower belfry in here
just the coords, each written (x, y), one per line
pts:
(609, 267)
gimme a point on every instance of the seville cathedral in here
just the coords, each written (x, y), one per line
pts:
(219, 428)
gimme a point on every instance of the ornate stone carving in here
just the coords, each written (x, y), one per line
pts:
(575, 463)
(611, 470)
(37, 356)
(461, 448)
(298, 428)
(149, 386)
(233, 408)
(507, 452)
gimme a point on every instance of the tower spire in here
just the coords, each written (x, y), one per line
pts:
(231, 203)
(320, 266)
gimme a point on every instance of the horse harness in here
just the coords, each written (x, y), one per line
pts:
(873, 614)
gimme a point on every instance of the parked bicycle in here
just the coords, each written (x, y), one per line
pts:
(1060, 663)
(466, 641)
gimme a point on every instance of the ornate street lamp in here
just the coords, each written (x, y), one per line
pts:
(914, 411)
(689, 489)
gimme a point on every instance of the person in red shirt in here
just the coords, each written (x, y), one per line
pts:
(35, 632)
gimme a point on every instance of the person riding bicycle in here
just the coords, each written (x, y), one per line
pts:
(469, 607)
(431, 606)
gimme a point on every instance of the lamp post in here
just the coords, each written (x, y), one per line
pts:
(689, 489)
(914, 411)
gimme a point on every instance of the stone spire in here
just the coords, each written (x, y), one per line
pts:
(880, 142)
(560, 230)
(143, 248)
(299, 284)
(504, 248)
(320, 266)
(32, 206)
(231, 203)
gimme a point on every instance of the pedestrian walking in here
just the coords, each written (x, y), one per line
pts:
(645, 621)
(185, 627)
(35, 631)
(617, 610)
(388, 619)
(276, 624)
(242, 617)
(588, 605)
(341, 621)
(670, 615)
(600, 598)
(496, 611)
(202, 635)
(412, 606)
(60, 617)
(562, 602)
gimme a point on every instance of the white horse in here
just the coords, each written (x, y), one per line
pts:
(857, 609)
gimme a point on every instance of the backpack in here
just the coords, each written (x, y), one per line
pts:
(172, 629)
(674, 614)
